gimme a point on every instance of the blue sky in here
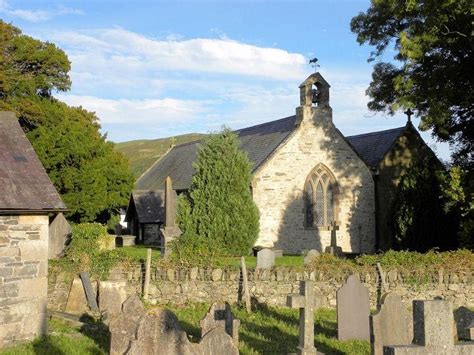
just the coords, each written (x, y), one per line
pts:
(152, 69)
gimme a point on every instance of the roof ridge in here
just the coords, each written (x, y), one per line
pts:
(376, 132)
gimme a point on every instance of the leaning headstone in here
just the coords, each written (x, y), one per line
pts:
(311, 255)
(433, 330)
(76, 300)
(220, 316)
(464, 319)
(59, 234)
(111, 296)
(392, 324)
(89, 290)
(305, 301)
(353, 310)
(265, 259)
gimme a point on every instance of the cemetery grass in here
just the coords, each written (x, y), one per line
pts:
(267, 330)
(272, 330)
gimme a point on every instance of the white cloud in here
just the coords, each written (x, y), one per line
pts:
(107, 50)
(36, 15)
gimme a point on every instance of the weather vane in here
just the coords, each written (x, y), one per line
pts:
(314, 64)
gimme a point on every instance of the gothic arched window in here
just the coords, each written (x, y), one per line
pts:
(320, 198)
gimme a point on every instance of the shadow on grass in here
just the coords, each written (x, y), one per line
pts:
(96, 331)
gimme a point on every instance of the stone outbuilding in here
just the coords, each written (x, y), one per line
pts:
(310, 181)
(27, 198)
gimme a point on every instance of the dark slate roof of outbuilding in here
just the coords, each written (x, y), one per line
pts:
(24, 184)
(149, 206)
(373, 146)
(259, 142)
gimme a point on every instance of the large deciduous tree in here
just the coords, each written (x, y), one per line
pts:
(93, 180)
(219, 215)
(432, 68)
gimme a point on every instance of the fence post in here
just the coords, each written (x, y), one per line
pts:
(146, 285)
(245, 285)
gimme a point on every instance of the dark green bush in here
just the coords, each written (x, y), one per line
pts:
(219, 216)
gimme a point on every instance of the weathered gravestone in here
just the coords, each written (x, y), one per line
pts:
(311, 255)
(59, 233)
(433, 330)
(134, 332)
(353, 310)
(305, 302)
(392, 324)
(265, 259)
(220, 316)
(76, 300)
(111, 296)
(464, 319)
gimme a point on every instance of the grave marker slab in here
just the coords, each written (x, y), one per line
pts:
(433, 330)
(305, 302)
(111, 296)
(353, 310)
(90, 292)
(464, 319)
(392, 324)
(220, 316)
(76, 300)
(265, 259)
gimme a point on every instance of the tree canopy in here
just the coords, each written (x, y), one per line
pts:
(219, 215)
(432, 68)
(93, 180)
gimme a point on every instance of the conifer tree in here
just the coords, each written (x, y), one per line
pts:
(219, 214)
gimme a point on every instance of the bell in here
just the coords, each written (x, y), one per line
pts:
(315, 96)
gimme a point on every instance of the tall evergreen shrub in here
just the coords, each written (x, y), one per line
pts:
(219, 216)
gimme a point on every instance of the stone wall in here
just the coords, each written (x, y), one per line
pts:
(23, 278)
(180, 286)
(278, 189)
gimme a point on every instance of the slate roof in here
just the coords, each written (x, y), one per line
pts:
(24, 184)
(149, 206)
(259, 142)
(373, 146)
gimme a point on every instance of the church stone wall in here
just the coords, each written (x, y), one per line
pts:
(23, 278)
(278, 189)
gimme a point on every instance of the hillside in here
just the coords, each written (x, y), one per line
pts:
(143, 153)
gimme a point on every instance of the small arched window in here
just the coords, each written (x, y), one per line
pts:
(320, 198)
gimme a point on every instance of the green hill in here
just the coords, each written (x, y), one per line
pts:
(143, 153)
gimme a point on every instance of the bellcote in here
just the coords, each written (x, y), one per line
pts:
(314, 100)
(314, 91)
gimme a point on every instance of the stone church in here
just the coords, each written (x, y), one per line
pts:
(310, 182)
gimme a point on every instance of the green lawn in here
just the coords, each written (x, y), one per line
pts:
(138, 252)
(267, 330)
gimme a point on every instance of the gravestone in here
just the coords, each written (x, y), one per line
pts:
(464, 319)
(392, 324)
(353, 310)
(111, 296)
(265, 259)
(89, 290)
(333, 248)
(135, 332)
(220, 316)
(76, 300)
(311, 255)
(123, 326)
(59, 234)
(433, 330)
(305, 302)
